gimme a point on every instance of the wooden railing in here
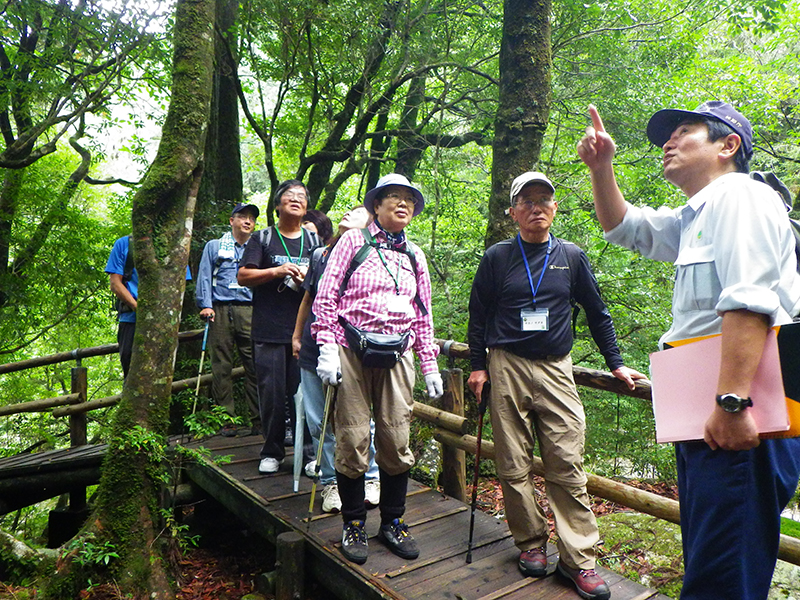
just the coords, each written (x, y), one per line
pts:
(450, 426)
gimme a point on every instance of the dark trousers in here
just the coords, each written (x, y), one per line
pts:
(231, 329)
(393, 496)
(278, 376)
(730, 516)
(125, 340)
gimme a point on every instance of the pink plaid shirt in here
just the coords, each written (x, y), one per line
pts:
(366, 300)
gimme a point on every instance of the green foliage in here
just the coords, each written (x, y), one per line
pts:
(179, 532)
(90, 551)
(790, 527)
(208, 422)
(644, 549)
(17, 570)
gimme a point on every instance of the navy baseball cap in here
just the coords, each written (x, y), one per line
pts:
(241, 207)
(664, 122)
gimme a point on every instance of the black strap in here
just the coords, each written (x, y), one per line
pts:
(573, 259)
(265, 237)
(127, 271)
(361, 256)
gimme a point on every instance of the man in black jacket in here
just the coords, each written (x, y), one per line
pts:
(520, 310)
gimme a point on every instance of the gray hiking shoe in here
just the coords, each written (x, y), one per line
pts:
(354, 542)
(396, 536)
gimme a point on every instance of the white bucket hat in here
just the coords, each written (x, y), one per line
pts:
(393, 179)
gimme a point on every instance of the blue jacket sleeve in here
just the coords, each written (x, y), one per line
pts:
(203, 292)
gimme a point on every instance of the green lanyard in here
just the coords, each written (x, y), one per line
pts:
(302, 241)
(396, 278)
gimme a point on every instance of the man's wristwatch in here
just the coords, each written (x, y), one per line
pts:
(733, 403)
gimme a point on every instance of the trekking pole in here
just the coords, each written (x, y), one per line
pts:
(200, 372)
(318, 468)
(485, 393)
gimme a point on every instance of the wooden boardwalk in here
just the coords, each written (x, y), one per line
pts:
(440, 525)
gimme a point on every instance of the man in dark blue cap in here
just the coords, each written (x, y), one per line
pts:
(228, 307)
(735, 276)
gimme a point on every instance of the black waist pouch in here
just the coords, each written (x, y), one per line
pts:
(375, 350)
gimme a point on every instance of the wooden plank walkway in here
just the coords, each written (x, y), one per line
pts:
(440, 525)
(26, 479)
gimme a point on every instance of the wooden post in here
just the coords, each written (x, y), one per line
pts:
(77, 432)
(454, 463)
(290, 565)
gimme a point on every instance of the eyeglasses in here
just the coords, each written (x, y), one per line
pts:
(293, 196)
(528, 204)
(395, 198)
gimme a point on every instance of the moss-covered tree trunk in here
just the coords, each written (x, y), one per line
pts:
(524, 105)
(127, 513)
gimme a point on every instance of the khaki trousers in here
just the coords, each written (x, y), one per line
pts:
(389, 394)
(231, 329)
(537, 400)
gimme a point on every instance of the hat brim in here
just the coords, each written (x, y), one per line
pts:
(369, 198)
(664, 122)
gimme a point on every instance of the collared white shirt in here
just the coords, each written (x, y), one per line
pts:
(732, 249)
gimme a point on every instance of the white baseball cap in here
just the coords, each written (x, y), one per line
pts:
(526, 178)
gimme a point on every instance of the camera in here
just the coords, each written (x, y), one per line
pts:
(290, 283)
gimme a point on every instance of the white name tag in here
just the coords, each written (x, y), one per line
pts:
(535, 320)
(398, 305)
(233, 285)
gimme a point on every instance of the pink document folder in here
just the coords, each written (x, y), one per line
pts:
(685, 386)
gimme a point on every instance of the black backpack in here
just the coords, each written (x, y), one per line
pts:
(776, 184)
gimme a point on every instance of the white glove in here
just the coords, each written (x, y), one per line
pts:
(433, 381)
(329, 366)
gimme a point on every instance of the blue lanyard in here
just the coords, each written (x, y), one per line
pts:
(528, 268)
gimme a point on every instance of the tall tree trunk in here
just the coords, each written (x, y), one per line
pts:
(221, 185)
(524, 105)
(9, 200)
(409, 144)
(127, 512)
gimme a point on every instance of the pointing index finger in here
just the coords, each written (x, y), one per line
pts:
(597, 122)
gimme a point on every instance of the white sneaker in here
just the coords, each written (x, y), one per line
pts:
(331, 502)
(372, 492)
(311, 469)
(269, 465)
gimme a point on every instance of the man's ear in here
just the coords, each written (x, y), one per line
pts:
(731, 145)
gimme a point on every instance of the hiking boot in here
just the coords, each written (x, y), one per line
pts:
(269, 465)
(331, 502)
(372, 493)
(228, 430)
(533, 562)
(354, 542)
(398, 539)
(587, 582)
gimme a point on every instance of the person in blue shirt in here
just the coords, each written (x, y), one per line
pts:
(124, 282)
(228, 307)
